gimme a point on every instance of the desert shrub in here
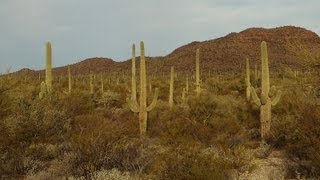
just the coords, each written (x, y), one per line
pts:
(189, 162)
(304, 141)
(174, 127)
(101, 143)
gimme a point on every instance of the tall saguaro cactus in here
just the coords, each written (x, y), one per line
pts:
(248, 83)
(171, 88)
(187, 85)
(198, 72)
(269, 96)
(102, 84)
(91, 84)
(256, 74)
(142, 108)
(49, 67)
(133, 78)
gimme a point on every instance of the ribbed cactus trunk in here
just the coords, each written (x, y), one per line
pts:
(248, 84)
(102, 85)
(133, 77)
(183, 96)
(198, 72)
(187, 85)
(91, 84)
(143, 116)
(49, 67)
(69, 80)
(256, 77)
(142, 108)
(265, 112)
(267, 93)
(171, 88)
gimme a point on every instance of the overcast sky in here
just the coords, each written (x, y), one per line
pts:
(80, 29)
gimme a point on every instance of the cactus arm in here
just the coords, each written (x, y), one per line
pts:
(255, 98)
(154, 101)
(277, 98)
(272, 91)
(133, 105)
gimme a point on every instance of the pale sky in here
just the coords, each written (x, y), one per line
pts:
(79, 29)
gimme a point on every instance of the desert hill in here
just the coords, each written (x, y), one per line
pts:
(288, 46)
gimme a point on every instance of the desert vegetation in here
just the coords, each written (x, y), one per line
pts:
(186, 125)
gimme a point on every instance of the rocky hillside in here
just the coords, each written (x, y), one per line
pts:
(288, 47)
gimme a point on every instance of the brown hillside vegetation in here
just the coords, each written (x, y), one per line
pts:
(98, 120)
(287, 49)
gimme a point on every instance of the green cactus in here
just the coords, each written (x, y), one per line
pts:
(248, 83)
(171, 88)
(91, 84)
(69, 80)
(49, 67)
(43, 90)
(198, 90)
(187, 85)
(256, 77)
(143, 109)
(102, 84)
(133, 78)
(183, 96)
(269, 96)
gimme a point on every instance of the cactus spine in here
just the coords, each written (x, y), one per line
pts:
(198, 73)
(143, 108)
(171, 88)
(133, 78)
(248, 84)
(49, 67)
(69, 80)
(267, 93)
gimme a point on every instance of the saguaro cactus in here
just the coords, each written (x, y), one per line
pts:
(69, 80)
(187, 85)
(49, 67)
(183, 96)
(198, 73)
(256, 74)
(171, 88)
(91, 84)
(133, 78)
(248, 84)
(43, 90)
(102, 84)
(143, 108)
(267, 93)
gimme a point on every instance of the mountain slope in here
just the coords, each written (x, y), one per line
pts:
(287, 47)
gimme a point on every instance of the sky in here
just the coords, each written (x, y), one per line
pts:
(80, 29)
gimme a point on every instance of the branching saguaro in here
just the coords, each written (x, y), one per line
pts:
(171, 88)
(142, 108)
(248, 83)
(269, 96)
(49, 67)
